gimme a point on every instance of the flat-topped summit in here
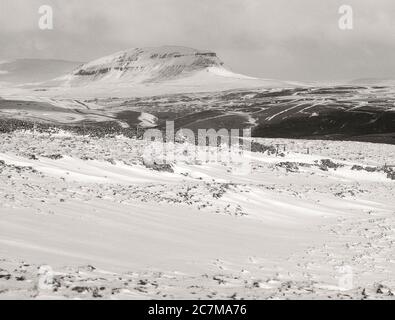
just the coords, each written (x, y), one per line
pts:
(151, 64)
(151, 71)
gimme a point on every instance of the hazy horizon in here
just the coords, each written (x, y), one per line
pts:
(267, 39)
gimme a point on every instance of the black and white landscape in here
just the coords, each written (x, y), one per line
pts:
(84, 213)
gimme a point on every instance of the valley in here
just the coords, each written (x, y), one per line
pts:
(335, 113)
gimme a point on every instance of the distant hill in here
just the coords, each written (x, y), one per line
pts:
(373, 82)
(21, 71)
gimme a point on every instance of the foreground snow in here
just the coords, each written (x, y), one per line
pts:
(90, 219)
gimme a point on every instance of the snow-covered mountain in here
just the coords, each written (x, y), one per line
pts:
(149, 65)
(153, 71)
(137, 72)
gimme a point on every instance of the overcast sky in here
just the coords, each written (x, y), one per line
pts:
(284, 39)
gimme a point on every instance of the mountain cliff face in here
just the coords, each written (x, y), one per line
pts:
(141, 65)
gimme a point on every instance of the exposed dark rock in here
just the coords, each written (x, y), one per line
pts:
(164, 167)
(326, 164)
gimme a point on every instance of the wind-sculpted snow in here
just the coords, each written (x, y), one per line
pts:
(88, 217)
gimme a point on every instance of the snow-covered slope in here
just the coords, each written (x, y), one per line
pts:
(110, 225)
